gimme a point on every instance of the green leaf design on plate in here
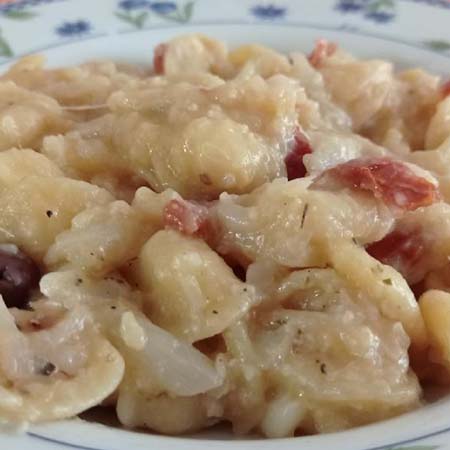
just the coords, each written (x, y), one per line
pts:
(5, 49)
(141, 18)
(383, 3)
(188, 10)
(19, 15)
(416, 447)
(181, 15)
(377, 5)
(137, 20)
(438, 45)
(124, 17)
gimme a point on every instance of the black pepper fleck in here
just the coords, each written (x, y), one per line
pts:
(79, 281)
(48, 369)
(113, 307)
(49, 213)
(323, 368)
(215, 311)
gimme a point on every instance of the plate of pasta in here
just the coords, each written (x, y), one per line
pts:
(224, 225)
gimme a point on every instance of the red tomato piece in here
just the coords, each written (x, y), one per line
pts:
(403, 250)
(322, 50)
(294, 159)
(158, 58)
(186, 217)
(445, 89)
(388, 180)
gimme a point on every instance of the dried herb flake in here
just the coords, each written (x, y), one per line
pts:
(305, 211)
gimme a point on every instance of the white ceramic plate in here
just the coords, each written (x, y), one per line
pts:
(410, 32)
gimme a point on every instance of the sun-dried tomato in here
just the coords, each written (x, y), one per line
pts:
(322, 50)
(401, 249)
(294, 159)
(158, 58)
(190, 218)
(445, 89)
(388, 180)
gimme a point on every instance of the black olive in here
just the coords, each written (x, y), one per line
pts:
(19, 274)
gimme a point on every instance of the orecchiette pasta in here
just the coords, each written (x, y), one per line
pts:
(37, 398)
(74, 87)
(114, 233)
(16, 164)
(194, 53)
(289, 223)
(189, 290)
(26, 116)
(439, 128)
(238, 235)
(435, 307)
(360, 87)
(37, 209)
(386, 286)
(162, 413)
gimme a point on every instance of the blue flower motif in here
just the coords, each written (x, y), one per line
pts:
(18, 5)
(72, 29)
(129, 5)
(268, 12)
(350, 5)
(380, 11)
(163, 7)
(380, 16)
(441, 3)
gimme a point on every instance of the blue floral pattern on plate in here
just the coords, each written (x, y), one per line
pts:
(138, 12)
(132, 15)
(163, 7)
(441, 3)
(346, 6)
(130, 5)
(20, 4)
(74, 29)
(380, 11)
(268, 12)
